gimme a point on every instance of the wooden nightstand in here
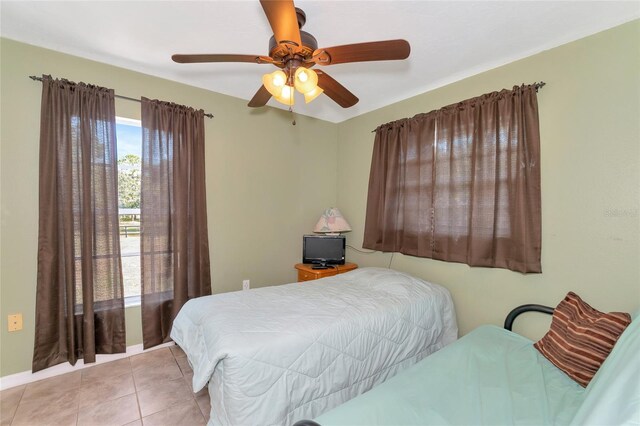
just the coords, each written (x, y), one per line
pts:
(306, 273)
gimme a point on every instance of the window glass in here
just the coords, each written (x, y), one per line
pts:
(129, 135)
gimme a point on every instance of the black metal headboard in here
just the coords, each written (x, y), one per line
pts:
(508, 322)
(306, 423)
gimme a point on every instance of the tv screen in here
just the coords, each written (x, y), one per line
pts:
(323, 249)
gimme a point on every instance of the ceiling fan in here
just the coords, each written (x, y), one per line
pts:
(295, 52)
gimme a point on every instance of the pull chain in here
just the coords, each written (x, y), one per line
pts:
(291, 93)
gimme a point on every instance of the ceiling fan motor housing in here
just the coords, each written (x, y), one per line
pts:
(301, 17)
(282, 51)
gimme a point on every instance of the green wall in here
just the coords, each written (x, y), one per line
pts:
(259, 171)
(590, 164)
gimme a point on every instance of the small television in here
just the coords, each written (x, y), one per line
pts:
(323, 250)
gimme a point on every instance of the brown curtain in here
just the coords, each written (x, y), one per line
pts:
(79, 299)
(174, 239)
(460, 184)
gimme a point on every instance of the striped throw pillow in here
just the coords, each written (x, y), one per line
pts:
(580, 337)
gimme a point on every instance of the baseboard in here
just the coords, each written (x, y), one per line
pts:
(25, 377)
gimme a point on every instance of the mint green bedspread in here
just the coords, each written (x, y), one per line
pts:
(490, 376)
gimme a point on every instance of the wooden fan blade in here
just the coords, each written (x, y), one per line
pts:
(335, 90)
(191, 59)
(282, 18)
(388, 50)
(261, 98)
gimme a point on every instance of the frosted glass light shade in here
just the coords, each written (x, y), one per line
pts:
(286, 96)
(332, 222)
(275, 82)
(305, 80)
(312, 94)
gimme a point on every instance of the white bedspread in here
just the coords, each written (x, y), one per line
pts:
(275, 355)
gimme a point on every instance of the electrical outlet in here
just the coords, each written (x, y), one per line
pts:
(15, 322)
(246, 285)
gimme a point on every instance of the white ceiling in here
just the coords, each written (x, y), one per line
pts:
(450, 40)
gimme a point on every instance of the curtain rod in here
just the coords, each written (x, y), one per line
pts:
(36, 78)
(538, 86)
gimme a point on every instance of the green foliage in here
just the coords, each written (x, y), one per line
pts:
(129, 173)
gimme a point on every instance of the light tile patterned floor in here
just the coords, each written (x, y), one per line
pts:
(152, 388)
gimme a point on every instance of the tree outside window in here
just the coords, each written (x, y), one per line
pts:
(129, 136)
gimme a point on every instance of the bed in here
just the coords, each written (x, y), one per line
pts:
(492, 376)
(276, 354)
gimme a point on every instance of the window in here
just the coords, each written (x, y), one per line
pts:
(129, 136)
(460, 184)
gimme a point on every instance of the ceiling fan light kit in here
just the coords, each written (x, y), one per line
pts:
(295, 52)
(305, 81)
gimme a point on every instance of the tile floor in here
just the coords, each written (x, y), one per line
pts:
(152, 388)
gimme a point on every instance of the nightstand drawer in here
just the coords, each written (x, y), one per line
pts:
(306, 276)
(307, 273)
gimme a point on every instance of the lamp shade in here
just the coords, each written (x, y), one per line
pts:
(286, 96)
(312, 94)
(305, 80)
(332, 222)
(275, 82)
